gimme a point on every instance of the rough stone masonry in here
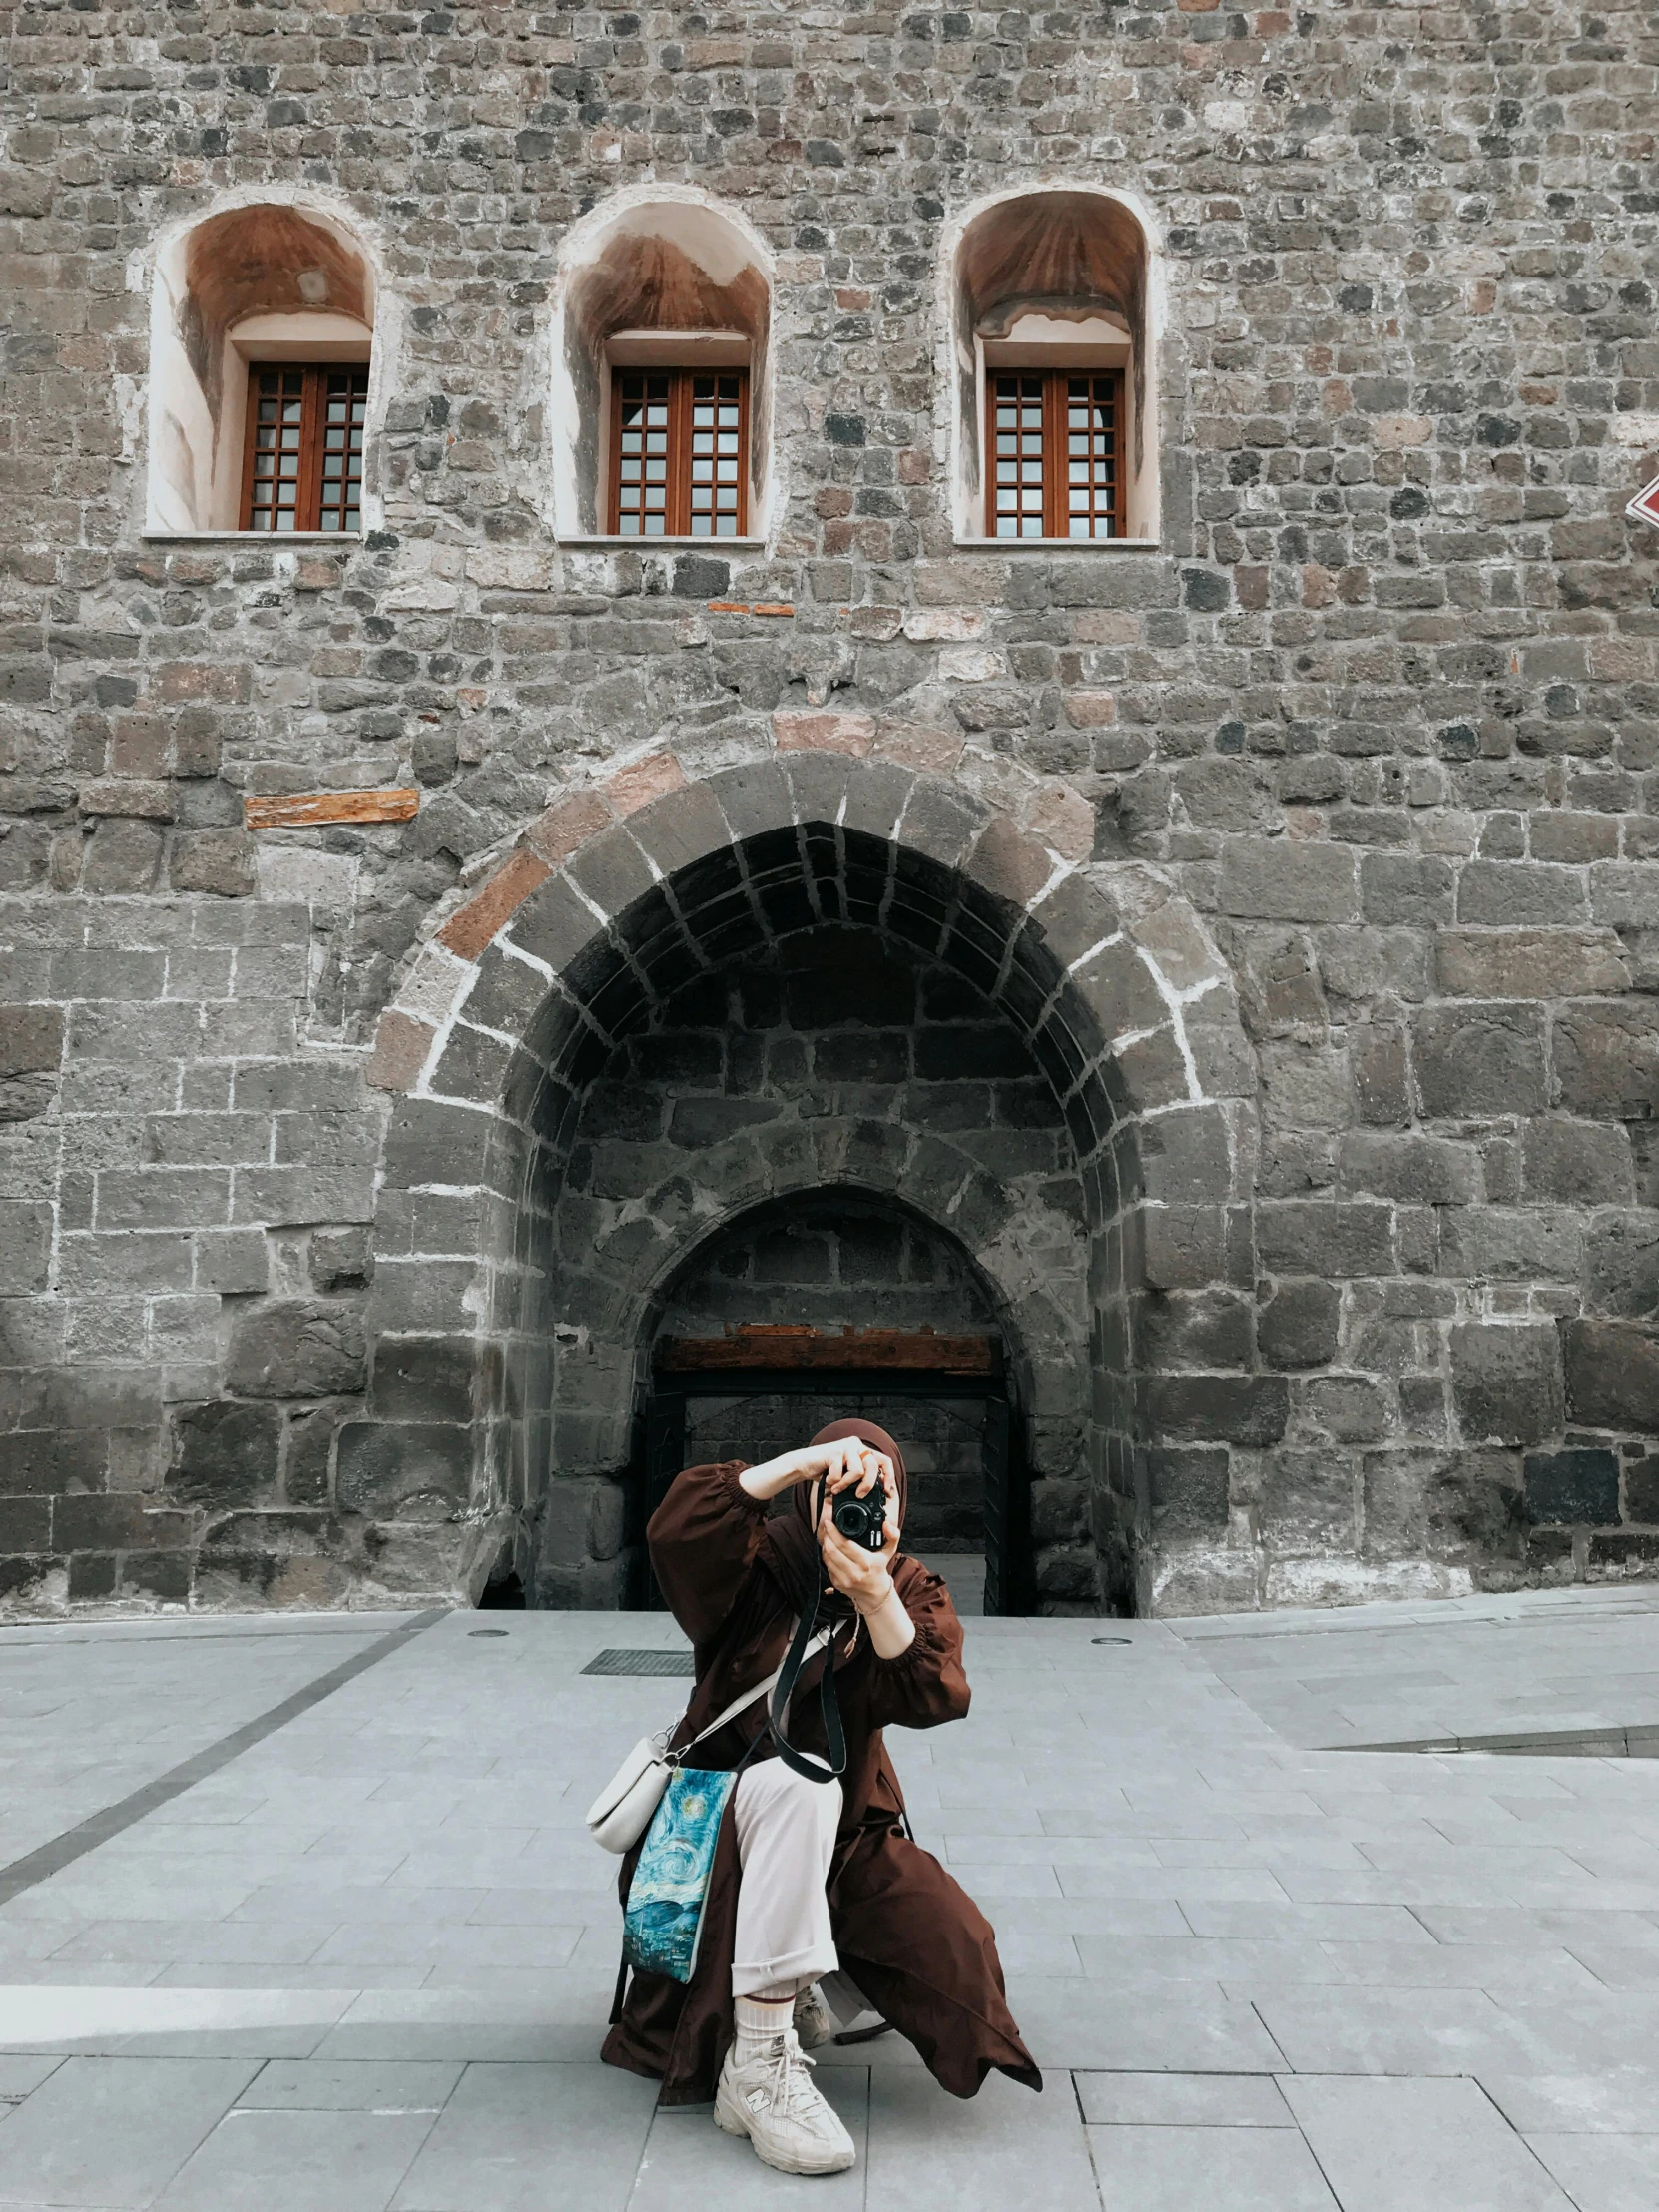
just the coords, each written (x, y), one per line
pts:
(1260, 923)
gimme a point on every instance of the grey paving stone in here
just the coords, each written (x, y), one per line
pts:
(302, 2161)
(1195, 1885)
(480, 1949)
(1204, 1958)
(1006, 2146)
(1602, 2173)
(1176, 2169)
(1087, 2025)
(1617, 1965)
(690, 2162)
(22, 2073)
(356, 1902)
(1397, 2147)
(195, 1942)
(509, 2130)
(1410, 2031)
(1282, 1922)
(350, 2085)
(1042, 1954)
(1092, 1916)
(1616, 2101)
(237, 1974)
(1495, 1968)
(113, 2131)
(1181, 2101)
(138, 1702)
(563, 2017)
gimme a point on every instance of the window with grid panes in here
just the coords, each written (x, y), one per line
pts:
(305, 460)
(680, 453)
(1054, 464)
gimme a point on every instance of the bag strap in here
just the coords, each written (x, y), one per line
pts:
(828, 1705)
(747, 1697)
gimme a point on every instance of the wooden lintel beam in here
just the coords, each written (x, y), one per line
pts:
(798, 1348)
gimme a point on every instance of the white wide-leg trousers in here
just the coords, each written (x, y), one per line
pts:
(785, 1835)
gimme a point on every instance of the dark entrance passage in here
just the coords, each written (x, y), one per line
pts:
(762, 1390)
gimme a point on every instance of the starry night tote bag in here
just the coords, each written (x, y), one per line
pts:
(664, 1918)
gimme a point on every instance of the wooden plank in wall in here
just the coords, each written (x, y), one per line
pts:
(787, 1344)
(308, 809)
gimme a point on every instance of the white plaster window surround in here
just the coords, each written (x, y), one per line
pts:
(657, 276)
(261, 276)
(1053, 274)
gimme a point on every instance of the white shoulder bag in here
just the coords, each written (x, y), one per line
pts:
(620, 1815)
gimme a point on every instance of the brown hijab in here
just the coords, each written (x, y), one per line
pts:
(796, 1540)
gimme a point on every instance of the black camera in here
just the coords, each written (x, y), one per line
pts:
(862, 1520)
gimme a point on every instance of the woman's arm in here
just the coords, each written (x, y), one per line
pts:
(702, 1539)
(705, 1532)
(840, 1465)
(923, 1685)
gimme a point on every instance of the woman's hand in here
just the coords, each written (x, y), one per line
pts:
(863, 1576)
(866, 1576)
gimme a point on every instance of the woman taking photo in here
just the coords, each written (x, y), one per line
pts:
(813, 1882)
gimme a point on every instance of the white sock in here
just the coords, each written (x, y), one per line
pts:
(761, 2021)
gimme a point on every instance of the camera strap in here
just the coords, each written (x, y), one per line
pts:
(802, 1762)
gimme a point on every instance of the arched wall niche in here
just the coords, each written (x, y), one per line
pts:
(843, 1257)
(619, 896)
(268, 279)
(1045, 275)
(658, 274)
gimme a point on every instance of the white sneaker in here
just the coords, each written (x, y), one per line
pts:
(813, 2023)
(771, 2099)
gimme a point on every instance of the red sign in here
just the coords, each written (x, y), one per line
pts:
(1645, 505)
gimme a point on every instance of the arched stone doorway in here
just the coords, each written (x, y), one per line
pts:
(522, 1038)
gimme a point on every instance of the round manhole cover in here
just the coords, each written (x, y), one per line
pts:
(1110, 1639)
(489, 1632)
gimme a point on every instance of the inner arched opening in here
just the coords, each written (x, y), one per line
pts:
(772, 1303)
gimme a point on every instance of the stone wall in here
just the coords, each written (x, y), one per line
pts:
(1352, 771)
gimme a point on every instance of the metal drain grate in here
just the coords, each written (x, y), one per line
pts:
(640, 1662)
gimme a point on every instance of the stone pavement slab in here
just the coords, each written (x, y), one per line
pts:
(1181, 2101)
(367, 1962)
(1601, 2173)
(688, 2161)
(1172, 2169)
(303, 2162)
(113, 2131)
(509, 2130)
(1394, 2146)
(92, 1710)
(1005, 2147)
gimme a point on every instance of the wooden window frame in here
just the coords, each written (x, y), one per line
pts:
(678, 517)
(1056, 508)
(313, 414)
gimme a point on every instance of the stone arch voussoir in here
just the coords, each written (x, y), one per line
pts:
(1168, 1029)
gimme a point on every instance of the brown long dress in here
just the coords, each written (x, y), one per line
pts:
(915, 1943)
